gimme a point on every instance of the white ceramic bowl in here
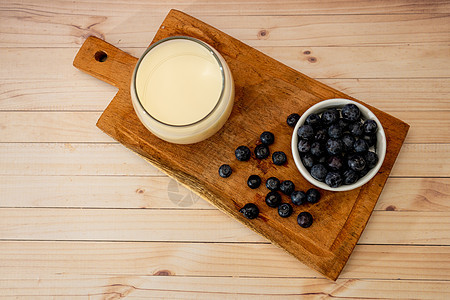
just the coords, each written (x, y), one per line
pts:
(380, 148)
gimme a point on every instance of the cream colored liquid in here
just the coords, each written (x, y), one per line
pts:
(179, 82)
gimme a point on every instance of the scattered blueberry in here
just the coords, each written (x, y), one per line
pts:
(287, 187)
(313, 120)
(330, 116)
(267, 138)
(307, 160)
(335, 131)
(292, 119)
(333, 179)
(298, 197)
(335, 163)
(285, 210)
(356, 163)
(350, 177)
(303, 146)
(317, 149)
(348, 140)
(305, 219)
(305, 132)
(279, 158)
(250, 210)
(242, 153)
(225, 171)
(312, 195)
(360, 146)
(371, 159)
(370, 127)
(261, 151)
(319, 172)
(355, 129)
(273, 184)
(334, 146)
(273, 199)
(350, 112)
(254, 181)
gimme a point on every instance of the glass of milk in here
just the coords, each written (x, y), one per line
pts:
(182, 90)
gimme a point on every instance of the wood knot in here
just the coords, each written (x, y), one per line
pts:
(263, 34)
(312, 59)
(391, 208)
(140, 191)
(307, 52)
(163, 273)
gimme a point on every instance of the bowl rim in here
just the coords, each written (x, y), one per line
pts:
(380, 149)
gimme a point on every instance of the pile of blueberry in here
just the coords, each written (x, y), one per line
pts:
(274, 185)
(335, 146)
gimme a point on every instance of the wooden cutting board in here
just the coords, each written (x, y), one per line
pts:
(266, 93)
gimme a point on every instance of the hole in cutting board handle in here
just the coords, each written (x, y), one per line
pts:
(100, 56)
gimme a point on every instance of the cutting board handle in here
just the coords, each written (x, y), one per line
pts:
(105, 62)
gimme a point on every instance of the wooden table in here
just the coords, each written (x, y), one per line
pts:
(83, 217)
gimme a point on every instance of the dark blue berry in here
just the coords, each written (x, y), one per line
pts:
(287, 187)
(285, 210)
(360, 146)
(312, 195)
(363, 172)
(371, 159)
(350, 112)
(307, 160)
(267, 138)
(305, 132)
(348, 141)
(254, 181)
(225, 171)
(261, 151)
(356, 163)
(370, 127)
(317, 149)
(330, 116)
(305, 219)
(335, 131)
(335, 163)
(350, 177)
(321, 135)
(250, 210)
(303, 146)
(273, 184)
(334, 146)
(298, 197)
(273, 199)
(333, 179)
(279, 158)
(242, 153)
(292, 119)
(343, 124)
(313, 120)
(371, 140)
(319, 172)
(355, 129)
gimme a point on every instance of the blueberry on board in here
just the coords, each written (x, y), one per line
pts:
(356, 163)
(273, 184)
(319, 172)
(305, 219)
(262, 151)
(287, 187)
(330, 116)
(321, 135)
(355, 129)
(307, 160)
(317, 149)
(254, 181)
(370, 127)
(242, 153)
(360, 146)
(350, 112)
(334, 146)
(225, 171)
(371, 159)
(335, 131)
(298, 197)
(350, 177)
(312, 195)
(335, 163)
(250, 210)
(333, 179)
(292, 119)
(273, 199)
(279, 158)
(305, 132)
(285, 210)
(267, 138)
(303, 146)
(371, 140)
(348, 141)
(313, 120)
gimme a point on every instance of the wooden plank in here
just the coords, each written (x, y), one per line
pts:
(415, 160)
(69, 30)
(179, 287)
(399, 194)
(45, 94)
(321, 62)
(211, 259)
(384, 227)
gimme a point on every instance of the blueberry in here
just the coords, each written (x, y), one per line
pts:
(254, 181)
(330, 116)
(250, 210)
(335, 163)
(305, 219)
(261, 151)
(360, 146)
(307, 160)
(305, 132)
(348, 141)
(285, 210)
(319, 172)
(356, 163)
(303, 146)
(273, 184)
(371, 159)
(371, 140)
(298, 197)
(350, 177)
(242, 153)
(321, 135)
(292, 119)
(363, 172)
(273, 199)
(355, 129)
(334, 146)
(333, 179)
(313, 120)
(267, 138)
(225, 171)
(351, 112)
(317, 149)
(322, 160)
(370, 127)
(279, 158)
(343, 124)
(312, 196)
(335, 131)
(287, 187)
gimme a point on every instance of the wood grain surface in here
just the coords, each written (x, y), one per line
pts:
(392, 55)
